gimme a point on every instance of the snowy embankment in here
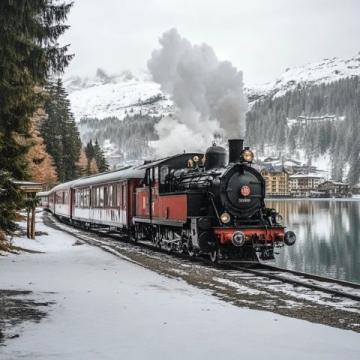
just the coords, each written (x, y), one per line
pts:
(109, 308)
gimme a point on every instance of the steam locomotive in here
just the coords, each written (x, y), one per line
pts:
(189, 203)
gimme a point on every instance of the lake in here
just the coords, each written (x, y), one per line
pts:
(328, 236)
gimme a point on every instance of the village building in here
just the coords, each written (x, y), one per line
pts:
(304, 184)
(335, 189)
(355, 189)
(276, 180)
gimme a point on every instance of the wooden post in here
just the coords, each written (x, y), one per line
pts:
(28, 223)
(33, 222)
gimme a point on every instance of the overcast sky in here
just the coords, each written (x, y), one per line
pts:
(260, 37)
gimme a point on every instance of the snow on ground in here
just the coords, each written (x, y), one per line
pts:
(109, 308)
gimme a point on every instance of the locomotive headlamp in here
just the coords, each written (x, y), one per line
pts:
(225, 218)
(248, 155)
(290, 238)
(238, 238)
(278, 218)
(196, 159)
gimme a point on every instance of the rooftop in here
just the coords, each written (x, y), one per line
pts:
(306, 176)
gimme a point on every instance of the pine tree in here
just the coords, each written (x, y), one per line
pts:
(99, 156)
(10, 199)
(91, 162)
(89, 150)
(41, 166)
(354, 171)
(93, 169)
(60, 132)
(29, 52)
(82, 163)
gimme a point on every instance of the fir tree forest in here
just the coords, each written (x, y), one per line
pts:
(333, 126)
(39, 139)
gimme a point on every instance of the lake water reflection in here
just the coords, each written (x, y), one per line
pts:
(328, 236)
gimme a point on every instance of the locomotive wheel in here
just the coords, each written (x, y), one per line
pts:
(214, 256)
(169, 247)
(132, 235)
(181, 246)
(136, 235)
(190, 248)
(158, 240)
(158, 243)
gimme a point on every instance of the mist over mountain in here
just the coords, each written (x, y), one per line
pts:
(310, 113)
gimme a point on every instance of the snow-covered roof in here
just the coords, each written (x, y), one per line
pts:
(127, 173)
(43, 193)
(22, 182)
(28, 186)
(272, 169)
(306, 176)
(338, 183)
(62, 186)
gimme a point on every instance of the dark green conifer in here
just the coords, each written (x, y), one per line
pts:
(29, 52)
(100, 158)
(60, 132)
(10, 199)
(89, 150)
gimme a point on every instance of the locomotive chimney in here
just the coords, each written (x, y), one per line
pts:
(235, 149)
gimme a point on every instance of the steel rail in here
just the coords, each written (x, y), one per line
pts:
(299, 282)
(312, 276)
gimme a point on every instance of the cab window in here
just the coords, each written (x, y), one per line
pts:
(164, 172)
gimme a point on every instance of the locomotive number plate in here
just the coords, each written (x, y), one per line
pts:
(245, 190)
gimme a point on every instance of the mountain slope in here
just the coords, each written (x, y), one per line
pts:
(322, 72)
(309, 112)
(116, 96)
(119, 95)
(312, 113)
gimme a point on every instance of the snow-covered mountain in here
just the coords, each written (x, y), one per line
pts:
(321, 72)
(312, 113)
(118, 95)
(325, 90)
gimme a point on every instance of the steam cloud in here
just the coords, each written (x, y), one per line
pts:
(208, 94)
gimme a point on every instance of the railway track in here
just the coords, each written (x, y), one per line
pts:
(335, 287)
(331, 286)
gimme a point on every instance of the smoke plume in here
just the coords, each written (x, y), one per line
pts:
(208, 95)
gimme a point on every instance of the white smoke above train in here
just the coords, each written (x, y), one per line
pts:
(208, 94)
